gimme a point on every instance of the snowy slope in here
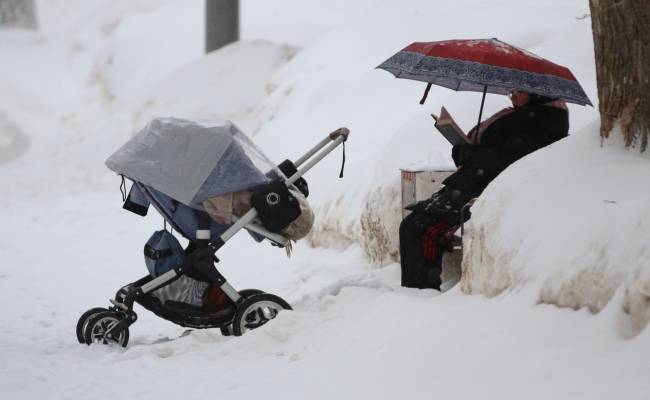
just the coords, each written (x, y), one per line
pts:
(593, 242)
(354, 332)
(75, 91)
(335, 76)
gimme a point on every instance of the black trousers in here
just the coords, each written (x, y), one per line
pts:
(418, 271)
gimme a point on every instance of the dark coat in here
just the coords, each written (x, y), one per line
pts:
(503, 142)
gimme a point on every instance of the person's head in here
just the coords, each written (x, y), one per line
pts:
(519, 98)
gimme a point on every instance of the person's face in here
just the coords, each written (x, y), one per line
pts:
(519, 98)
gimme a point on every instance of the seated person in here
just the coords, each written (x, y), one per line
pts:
(533, 122)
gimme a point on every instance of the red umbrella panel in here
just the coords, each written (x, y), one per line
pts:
(485, 65)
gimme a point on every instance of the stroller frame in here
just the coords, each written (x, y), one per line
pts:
(252, 308)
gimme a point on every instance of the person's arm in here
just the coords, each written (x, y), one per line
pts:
(524, 136)
(494, 159)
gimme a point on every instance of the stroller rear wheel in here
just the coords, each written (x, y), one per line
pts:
(83, 322)
(256, 311)
(246, 293)
(98, 326)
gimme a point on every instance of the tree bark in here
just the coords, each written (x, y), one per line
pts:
(221, 23)
(621, 30)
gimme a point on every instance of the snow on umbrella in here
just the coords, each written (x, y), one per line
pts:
(484, 65)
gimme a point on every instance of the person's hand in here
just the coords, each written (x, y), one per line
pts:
(446, 241)
(420, 206)
(460, 153)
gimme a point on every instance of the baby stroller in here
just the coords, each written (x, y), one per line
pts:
(185, 170)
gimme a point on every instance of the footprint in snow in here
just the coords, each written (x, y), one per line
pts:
(164, 352)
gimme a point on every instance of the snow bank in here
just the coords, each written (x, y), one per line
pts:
(572, 220)
(229, 84)
(13, 141)
(332, 82)
(80, 86)
(138, 60)
(136, 52)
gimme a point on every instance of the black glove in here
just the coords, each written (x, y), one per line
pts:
(419, 206)
(288, 168)
(460, 153)
(443, 205)
(275, 206)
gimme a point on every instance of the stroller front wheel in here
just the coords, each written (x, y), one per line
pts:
(256, 311)
(82, 323)
(98, 326)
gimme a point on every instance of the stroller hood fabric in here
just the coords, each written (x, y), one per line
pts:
(191, 162)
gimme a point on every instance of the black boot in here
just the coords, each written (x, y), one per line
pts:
(417, 271)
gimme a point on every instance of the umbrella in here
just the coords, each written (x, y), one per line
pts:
(484, 65)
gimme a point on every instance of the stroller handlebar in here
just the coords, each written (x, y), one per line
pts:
(311, 158)
(318, 152)
(341, 132)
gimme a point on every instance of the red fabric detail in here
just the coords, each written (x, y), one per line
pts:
(431, 237)
(490, 52)
(214, 299)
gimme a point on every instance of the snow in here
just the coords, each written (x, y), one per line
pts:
(593, 186)
(554, 299)
(232, 89)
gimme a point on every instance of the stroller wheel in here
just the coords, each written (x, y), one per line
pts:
(249, 292)
(256, 311)
(83, 322)
(99, 324)
(246, 293)
(226, 330)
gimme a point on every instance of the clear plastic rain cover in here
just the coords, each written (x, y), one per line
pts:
(191, 161)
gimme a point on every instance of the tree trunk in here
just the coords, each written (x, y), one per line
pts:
(621, 30)
(18, 14)
(221, 23)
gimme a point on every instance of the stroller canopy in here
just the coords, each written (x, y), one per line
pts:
(191, 162)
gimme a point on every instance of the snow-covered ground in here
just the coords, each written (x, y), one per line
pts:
(567, 226)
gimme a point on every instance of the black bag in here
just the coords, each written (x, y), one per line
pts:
(275, 205)
(162, 253)
(136, 202)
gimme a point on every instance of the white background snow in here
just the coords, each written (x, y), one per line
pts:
(567, 226)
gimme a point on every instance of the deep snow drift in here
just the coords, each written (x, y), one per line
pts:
(566, 226)
(593, 241)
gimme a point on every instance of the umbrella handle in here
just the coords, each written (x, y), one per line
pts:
(426, 93)
(480, 113)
